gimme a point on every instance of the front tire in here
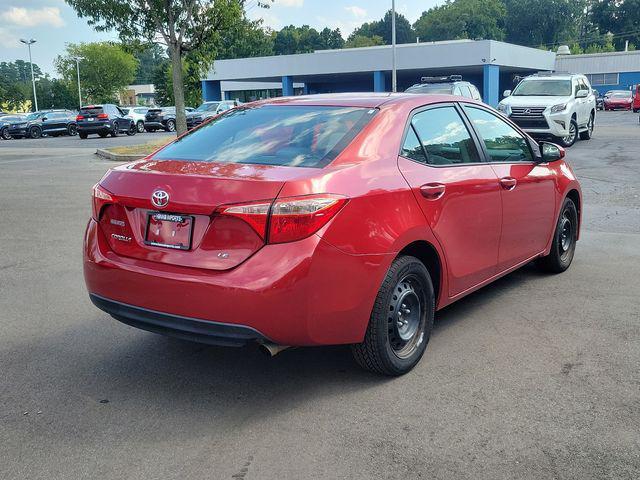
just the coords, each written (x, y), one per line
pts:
(401, 321)
(171, 126)
(72, 130)
(571, 138)
(588, 134)
(5, 133)
(35, 132)
(564, 240)
(132, 129)
(116, 129)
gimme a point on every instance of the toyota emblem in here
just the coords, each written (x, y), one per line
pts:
(160, 198)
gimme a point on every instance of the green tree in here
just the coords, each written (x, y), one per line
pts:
(105, 69)
(382, 28)
(463, 19)
(331, 39)
(56, 93)
(544, 22)
(15, 83)
(620, 17)
(183, 25)
(245, 38)
(192, 74)
(150, 56)
(293, 39)
(357, 41)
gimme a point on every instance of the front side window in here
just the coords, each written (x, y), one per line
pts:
(287, 135)
(445, 137)
(503, 142)
(543, 88)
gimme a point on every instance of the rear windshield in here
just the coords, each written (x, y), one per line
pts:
(91, 110)
(288, 135)
(435, 88)
(543, 88)
(205, 107)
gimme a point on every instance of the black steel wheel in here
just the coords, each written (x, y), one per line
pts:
(565, 236)
(401, 321)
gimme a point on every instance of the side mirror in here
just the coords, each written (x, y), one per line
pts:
(582, 94)
(551, 152)
(506, 93)
(44, 119)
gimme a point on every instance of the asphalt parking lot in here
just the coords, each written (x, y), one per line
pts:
(533, 377)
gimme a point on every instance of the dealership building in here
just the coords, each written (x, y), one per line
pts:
(490, 65)
(606, 71)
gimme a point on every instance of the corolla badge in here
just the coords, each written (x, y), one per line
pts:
(160, 198)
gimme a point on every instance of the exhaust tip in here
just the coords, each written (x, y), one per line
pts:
(272, 349)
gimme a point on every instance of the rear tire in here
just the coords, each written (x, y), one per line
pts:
(171, 126)
(72, 130)
(82, 135)
(132, 129)
(563, 246)
(588, 133)
(140, 126)
(150, 129)
(116, 129)
(5, 133)
(401, 321)
(103, 134)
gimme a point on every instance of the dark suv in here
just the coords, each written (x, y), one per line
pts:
(6, 121)
(44, 122)
(451, 85)
(160, 119)
(106, 119)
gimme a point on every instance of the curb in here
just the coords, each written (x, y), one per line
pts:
(116, 157)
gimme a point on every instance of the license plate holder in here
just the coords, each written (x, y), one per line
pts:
(169, 230)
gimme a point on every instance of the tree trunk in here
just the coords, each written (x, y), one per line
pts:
(178, 88)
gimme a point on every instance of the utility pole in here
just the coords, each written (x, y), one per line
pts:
(28, 43)
(77, 59)
(394, 76)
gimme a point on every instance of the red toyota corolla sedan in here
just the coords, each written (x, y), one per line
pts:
(331, 219)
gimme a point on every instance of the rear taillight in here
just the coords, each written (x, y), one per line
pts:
(288, 219)
(100, 198)
(79, 117)
(103, 115)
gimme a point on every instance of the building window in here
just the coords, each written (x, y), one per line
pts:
(604, 79)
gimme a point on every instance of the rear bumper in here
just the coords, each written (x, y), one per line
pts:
(106, 127)
(196, 330)
(151, 124)
(301, 293)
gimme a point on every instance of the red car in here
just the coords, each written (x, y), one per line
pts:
(636, 99)
(330, 219)
(619, 101)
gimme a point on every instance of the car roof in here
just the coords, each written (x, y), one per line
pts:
(364, 100)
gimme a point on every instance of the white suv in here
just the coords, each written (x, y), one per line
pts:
(556, 105)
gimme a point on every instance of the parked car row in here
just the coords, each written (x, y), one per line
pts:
(103, 120)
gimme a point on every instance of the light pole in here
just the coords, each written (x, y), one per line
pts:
(394, 77)
(28, 43)
(77, 59)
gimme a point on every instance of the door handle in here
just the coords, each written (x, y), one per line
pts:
(432, 191)
(508, 183)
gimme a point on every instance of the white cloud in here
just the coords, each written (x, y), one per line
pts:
(356, 11)
(8, 39)
(32, 17)
(289, 3)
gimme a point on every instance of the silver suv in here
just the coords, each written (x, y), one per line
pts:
(451, 85)
(557, 105)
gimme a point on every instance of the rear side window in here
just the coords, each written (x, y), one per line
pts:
(288, 135)
(412, 148)
(445, 137)
(503, 142)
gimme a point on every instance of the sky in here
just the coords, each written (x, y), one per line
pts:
(53, 24)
